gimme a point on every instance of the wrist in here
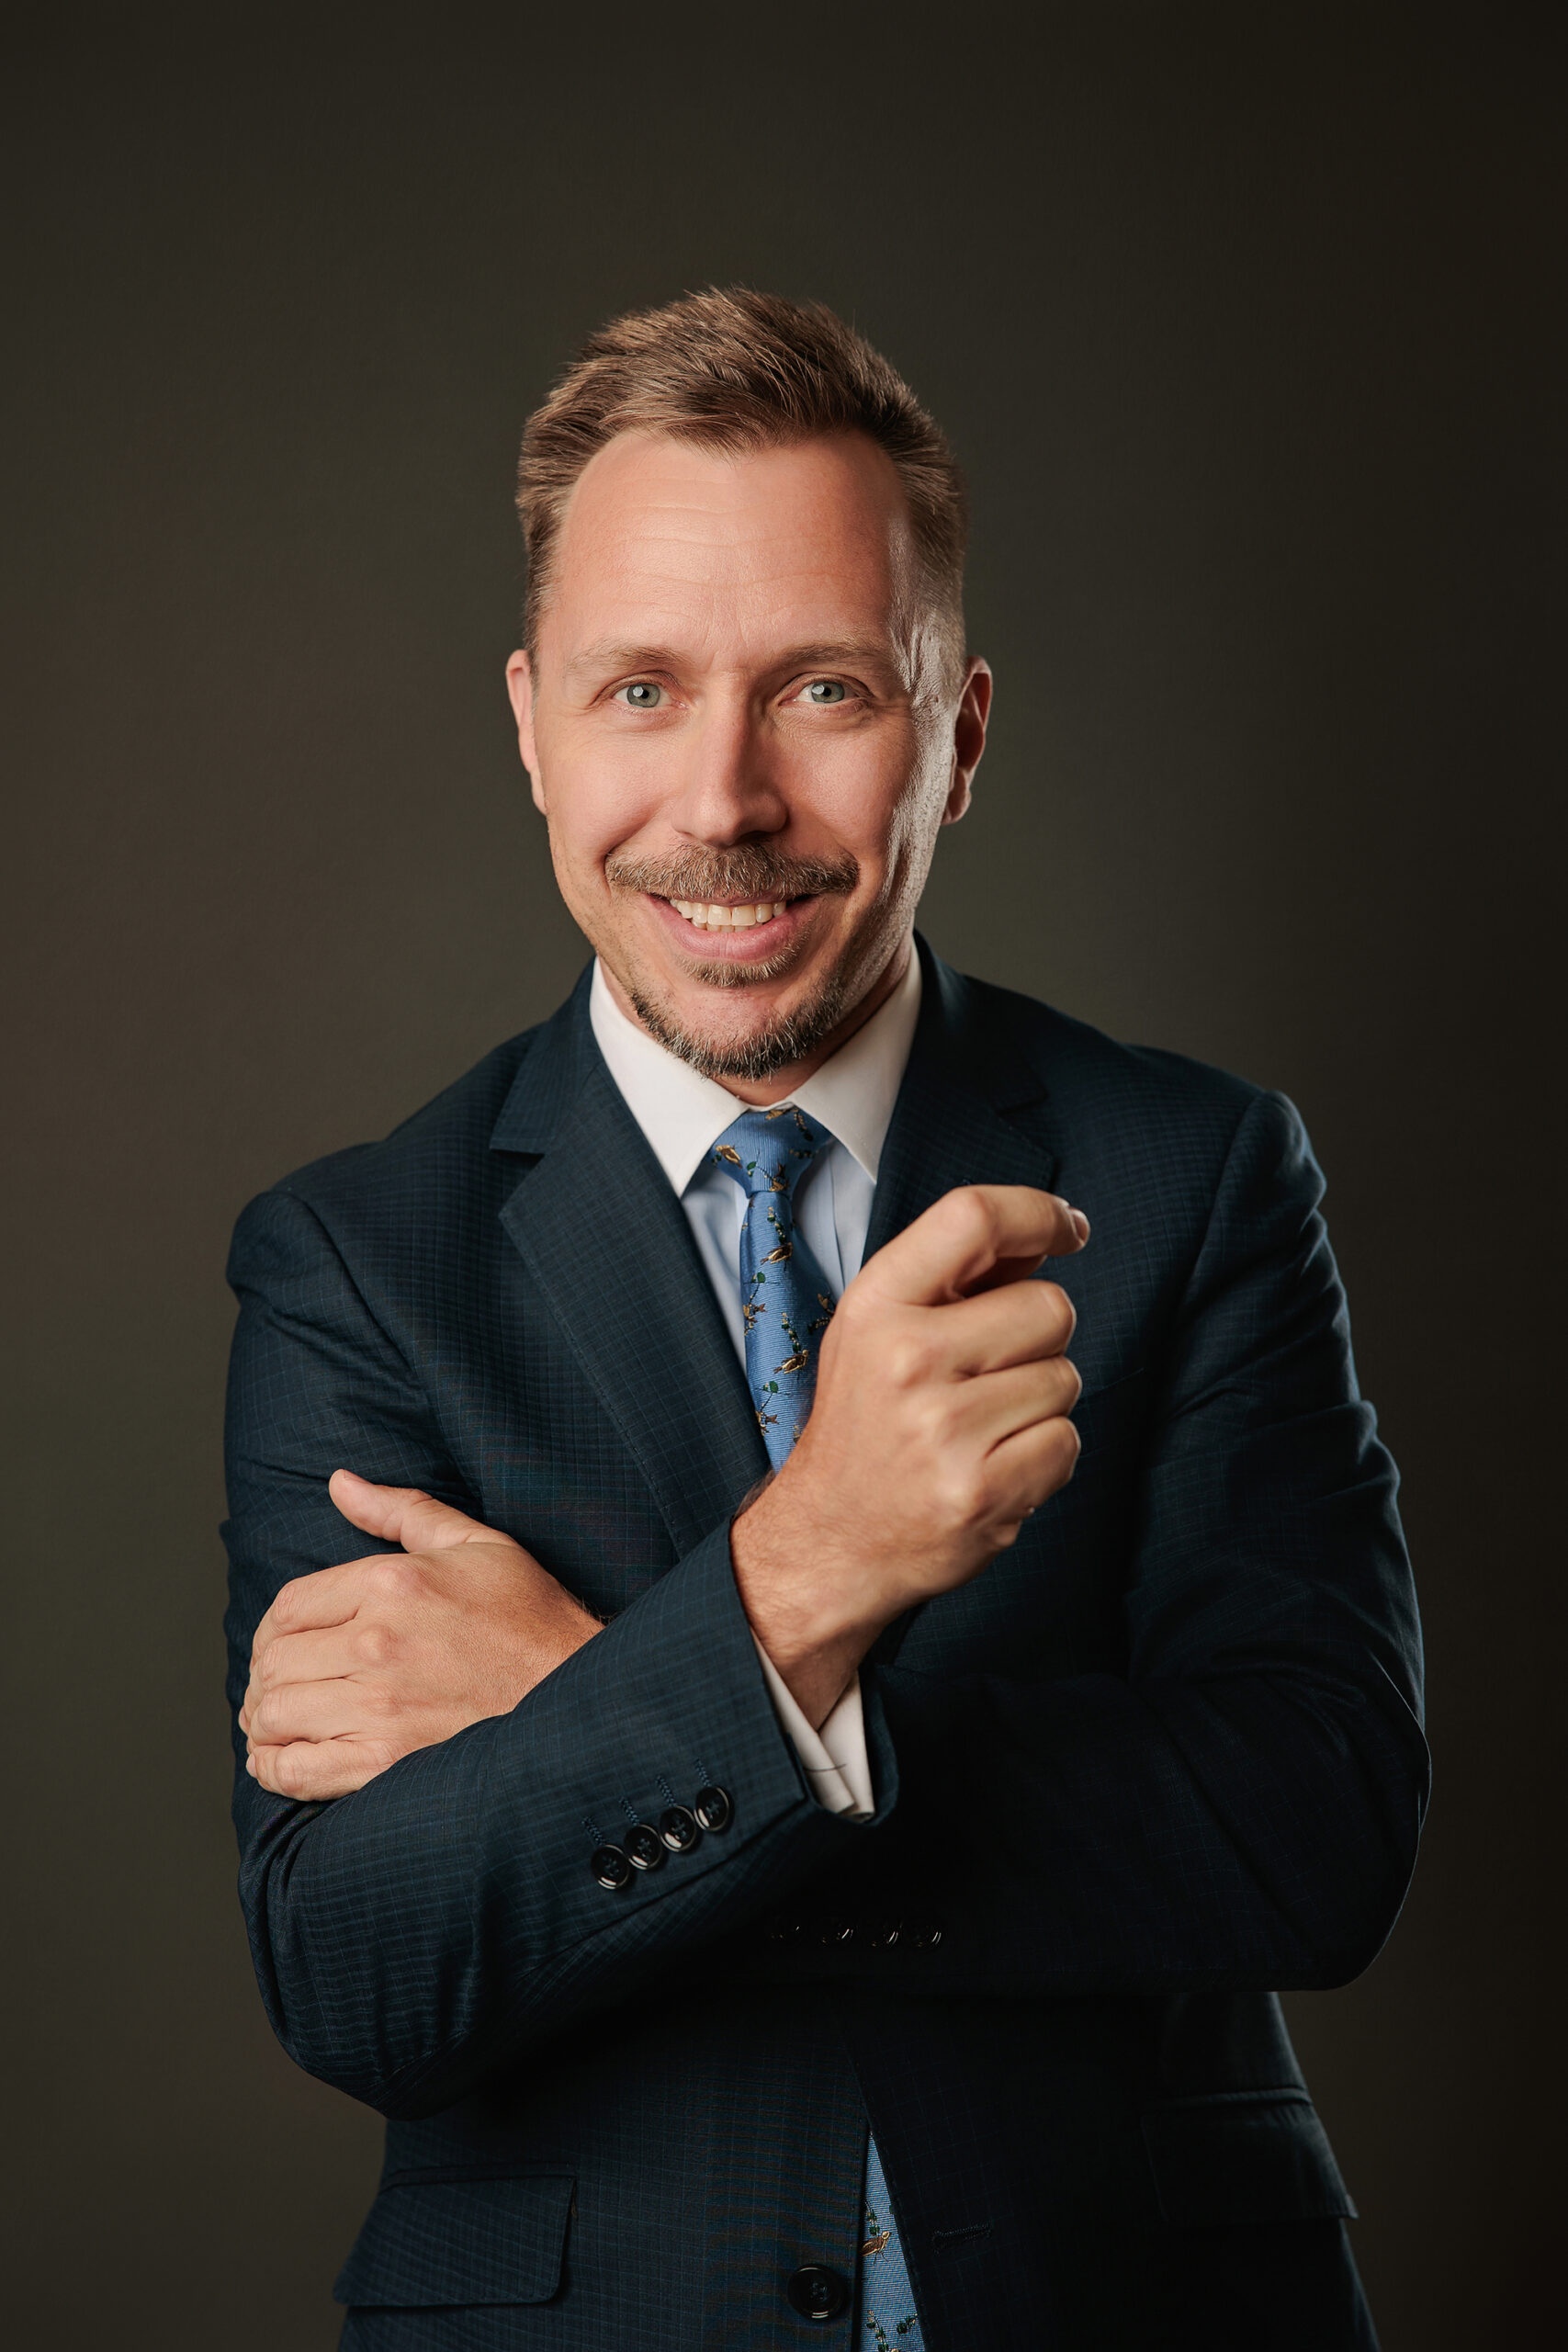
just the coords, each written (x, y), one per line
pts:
(802, 1600)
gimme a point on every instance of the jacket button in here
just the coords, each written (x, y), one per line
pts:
(679, 1829)
(645, 1847)
(884, 1934)
(610, 1867)
(925, 1934)
(713, 1808)
(835, 1931)
(816, 2292)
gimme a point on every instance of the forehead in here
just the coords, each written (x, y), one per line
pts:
(656, 526)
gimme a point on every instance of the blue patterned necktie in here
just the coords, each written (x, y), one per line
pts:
(786, 1304)
(786, 1301)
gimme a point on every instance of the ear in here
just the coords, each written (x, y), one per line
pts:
(520, 689)
(969, 725)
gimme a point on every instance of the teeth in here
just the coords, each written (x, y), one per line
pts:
(727, 917)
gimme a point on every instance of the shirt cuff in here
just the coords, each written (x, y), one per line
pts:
(834, 1760)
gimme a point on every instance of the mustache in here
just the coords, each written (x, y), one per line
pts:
(749, 871)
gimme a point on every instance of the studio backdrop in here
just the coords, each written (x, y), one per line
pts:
(1241, 323)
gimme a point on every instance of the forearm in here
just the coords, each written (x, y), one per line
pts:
(413, 1936)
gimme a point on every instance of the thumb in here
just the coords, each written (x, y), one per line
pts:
(405, 1515)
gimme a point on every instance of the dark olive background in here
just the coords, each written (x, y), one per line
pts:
(1242, 332)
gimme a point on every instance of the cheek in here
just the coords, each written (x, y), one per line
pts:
(876, 805)
(596, 804)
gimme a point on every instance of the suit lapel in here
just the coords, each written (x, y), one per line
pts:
(607, 1240)
(967, 1112)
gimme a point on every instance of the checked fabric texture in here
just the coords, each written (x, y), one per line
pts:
(786, 1303)
(1196, 1677)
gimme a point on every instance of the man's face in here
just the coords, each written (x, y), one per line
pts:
(740, 735)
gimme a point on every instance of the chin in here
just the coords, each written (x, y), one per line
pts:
(754, 1048)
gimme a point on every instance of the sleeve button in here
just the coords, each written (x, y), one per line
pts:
(610, 1867)
(645, 1847)
(679, 1829)
(713, 1808)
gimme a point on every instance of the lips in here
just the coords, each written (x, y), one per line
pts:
(757, 932)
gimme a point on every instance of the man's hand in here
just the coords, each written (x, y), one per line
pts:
(939, 1422)
(356, 1666)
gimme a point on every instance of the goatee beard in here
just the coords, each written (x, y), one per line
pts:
(789, 1039)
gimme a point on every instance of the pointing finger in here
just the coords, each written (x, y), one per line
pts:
(972, 1239)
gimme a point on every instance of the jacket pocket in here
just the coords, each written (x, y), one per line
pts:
(498, 2238)
(1244, 2157)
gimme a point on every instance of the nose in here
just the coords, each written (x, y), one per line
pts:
(729, 790)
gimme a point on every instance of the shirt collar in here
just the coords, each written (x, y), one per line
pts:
(683, 1114)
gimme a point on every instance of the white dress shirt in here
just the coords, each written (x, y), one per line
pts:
(683, 1114)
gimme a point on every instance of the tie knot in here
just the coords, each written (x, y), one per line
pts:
(766, 1151)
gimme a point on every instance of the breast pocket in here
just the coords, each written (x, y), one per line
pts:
(440, 2239)
(1244, 2157)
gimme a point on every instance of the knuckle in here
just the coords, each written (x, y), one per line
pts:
(907, 1359)
(963, 1497)
(392, 1576)
(1069, 1445)
(374, 1644)
(1059, 1315)
(932, 1412)
(286, 1600)
(973, 1211)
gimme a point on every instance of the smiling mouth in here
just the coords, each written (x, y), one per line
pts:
(704, 917)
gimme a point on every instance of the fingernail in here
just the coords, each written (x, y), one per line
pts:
(251, 1766)
(1080, 1224)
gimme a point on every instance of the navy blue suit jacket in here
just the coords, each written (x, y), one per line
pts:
(1162, 1757)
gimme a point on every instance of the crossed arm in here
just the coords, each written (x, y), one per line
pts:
(1238, 1807)
(940, 1423)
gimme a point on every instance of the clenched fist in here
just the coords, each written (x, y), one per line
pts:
(356, 1666)
(939, 1422)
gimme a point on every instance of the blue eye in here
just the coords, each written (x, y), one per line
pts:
(641, 695)
(825, 690)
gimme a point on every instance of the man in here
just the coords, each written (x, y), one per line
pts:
(790, 1854)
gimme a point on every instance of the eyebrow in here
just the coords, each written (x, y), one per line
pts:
(609, 654)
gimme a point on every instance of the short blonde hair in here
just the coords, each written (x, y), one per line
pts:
(734, 370)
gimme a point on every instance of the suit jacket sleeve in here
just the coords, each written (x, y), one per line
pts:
(413, 1937)
(1240, 1806)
